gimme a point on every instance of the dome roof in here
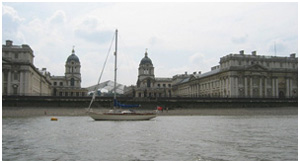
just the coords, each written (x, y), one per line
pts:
(146, 60)
(73, 57)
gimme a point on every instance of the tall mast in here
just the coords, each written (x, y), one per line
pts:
(115, 79)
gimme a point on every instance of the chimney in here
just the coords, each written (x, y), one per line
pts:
(293, 55)
(242, 52)
(254, 53)
(9, 43)
(185, 73)
(195, 73)
(199, 72)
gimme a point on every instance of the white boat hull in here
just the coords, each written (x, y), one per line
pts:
(120, 117)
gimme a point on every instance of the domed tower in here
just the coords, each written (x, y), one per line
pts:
(72, 72)
(146, 72)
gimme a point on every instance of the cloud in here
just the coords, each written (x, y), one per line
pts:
(196, 58)
(12, 13)
(240, 39)
(58, 18)
(94, 36)
(91, 29)
(11, 22)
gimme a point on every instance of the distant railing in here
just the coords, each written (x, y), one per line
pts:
(87, 98)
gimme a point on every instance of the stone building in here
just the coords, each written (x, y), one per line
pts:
(19, 75)
(243, 75)
(147, 84)
(70, 83)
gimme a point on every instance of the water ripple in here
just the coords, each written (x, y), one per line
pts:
(174, 138)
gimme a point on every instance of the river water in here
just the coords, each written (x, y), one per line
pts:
(180, 138)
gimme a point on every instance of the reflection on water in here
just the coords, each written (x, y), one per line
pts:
(163, 138)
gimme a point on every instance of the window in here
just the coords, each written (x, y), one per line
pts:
(61, 83)
(164, 85)
(16, 76)
(169, 85)
(72, 81)
(15, 90)
(55, 83)
(146, 71)
(148, 83)
(158, 85)
(16, 55)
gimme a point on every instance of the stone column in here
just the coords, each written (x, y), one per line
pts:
(266, 87)
(276, 85)
(260, 87)
(221, 86)
(227, 85)
(246, 87)
(273, 87)
(9, 82)
(291, 87)
(236, 87)
(232, 87)
(251, 89)
(198, 90)
(287, 81)
(21, 83)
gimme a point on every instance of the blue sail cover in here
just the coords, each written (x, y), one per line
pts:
(117, 104)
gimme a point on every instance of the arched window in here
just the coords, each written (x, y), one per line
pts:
(148, 83)
(72, 81)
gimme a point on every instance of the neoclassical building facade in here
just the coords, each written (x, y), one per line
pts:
(244, 75)
(19, 75)
(147, 84)
(70, 83)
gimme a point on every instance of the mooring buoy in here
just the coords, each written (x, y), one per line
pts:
(54, 119)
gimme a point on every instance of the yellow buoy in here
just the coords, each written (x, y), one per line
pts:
(54, 119)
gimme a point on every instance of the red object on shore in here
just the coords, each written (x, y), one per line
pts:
(159, 108)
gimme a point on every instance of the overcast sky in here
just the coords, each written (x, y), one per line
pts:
(179, 36)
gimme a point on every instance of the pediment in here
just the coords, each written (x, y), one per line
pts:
(256, 67)
(192, 77)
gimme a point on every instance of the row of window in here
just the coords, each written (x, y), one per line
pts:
(76, 94)
(155, 94)
(163, 85)
(264, 63)
(72, 83)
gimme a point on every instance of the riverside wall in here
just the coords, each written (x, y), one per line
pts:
(147, 103)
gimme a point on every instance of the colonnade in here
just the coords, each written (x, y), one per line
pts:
(240, 86)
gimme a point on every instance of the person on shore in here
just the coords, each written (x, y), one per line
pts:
(159, 108)
(167, 109)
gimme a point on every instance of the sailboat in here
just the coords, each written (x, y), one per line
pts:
(114, 114)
